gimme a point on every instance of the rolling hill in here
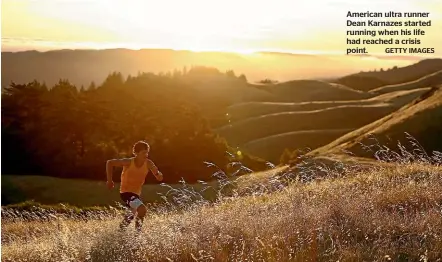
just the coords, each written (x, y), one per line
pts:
(339, 117)
(299, 125)
(359, 82)
(366, 81)
(433, 79)
(241, 111)
(271, 147)
(312, 90)
(231, 90)
(421, 119)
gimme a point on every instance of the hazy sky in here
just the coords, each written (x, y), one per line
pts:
(233, 25)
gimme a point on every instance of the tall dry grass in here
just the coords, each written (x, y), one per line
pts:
(313, 213)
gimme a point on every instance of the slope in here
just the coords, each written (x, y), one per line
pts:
(428, 80)
(219, 87)
(271, 147)
(78, 192)
(312, 90)
(421, 119)
(241, 111)
(339, 117)
(312, 124)
(377, 215)
(366, 81)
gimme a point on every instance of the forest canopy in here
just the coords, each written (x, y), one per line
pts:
(70, 131)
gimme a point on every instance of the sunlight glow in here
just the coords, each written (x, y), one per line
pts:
(316, 26)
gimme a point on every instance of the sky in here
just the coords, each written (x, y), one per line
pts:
(314, 26)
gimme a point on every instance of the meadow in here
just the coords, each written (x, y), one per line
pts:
(327, 204)
(310, 212)
(81, 192)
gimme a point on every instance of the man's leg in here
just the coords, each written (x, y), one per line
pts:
(141, 213)
(140, 209)
(128, 217)
(129, 212)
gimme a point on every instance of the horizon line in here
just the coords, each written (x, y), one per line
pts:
(248, 52)
(44, 46)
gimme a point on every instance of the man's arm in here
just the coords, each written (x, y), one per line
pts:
(158, 175)
(109, 167)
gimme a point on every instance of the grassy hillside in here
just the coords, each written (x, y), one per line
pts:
(366, 81)
(271, 147)
(399, 98)
(420, 119)
(340, 117)
(228, 89)
(381, 213)
(360, 82)
(433, 79)
(312, 90)
(241, 111)
(300, 125)
(77, 192)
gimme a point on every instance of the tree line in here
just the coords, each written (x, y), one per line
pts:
(70, 132)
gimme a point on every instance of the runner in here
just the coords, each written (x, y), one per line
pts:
(135, 170)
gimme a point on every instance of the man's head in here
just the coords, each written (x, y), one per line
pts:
(141, 149)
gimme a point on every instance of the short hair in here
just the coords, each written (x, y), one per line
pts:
(139, 146)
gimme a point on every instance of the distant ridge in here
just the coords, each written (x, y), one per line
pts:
(82, 66)
(433, 79)
(366, 81)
